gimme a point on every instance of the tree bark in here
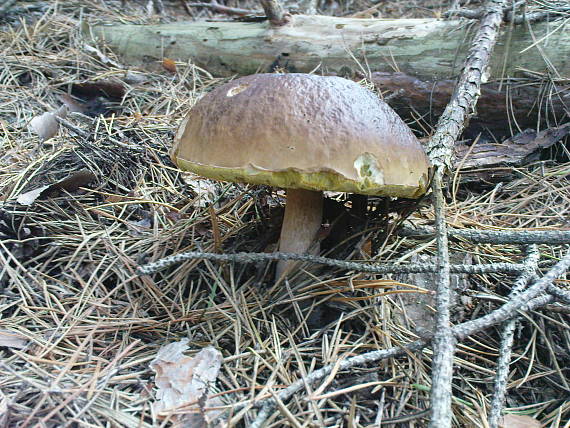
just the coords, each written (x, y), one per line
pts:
(427, 49)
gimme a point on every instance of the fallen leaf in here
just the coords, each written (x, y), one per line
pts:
(30, 197)
(75, 180)
(46, 124)
(73, 106)
(366, 248)
(186, 382)
(70, 183)
(11, 339)
(518, 421)
(169, 65)
(111, 89)
(206, 190)
(102, 97)
(102, 57)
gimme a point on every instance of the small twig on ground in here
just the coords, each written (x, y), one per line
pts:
(559, 294)
(462, 104)
(440, 149)
(275, 13)
(527, 237)
(507, 338)
(525, 301)
(509, 15)
(443, 341)
(67, 124)
(522, 301)
(220, 8)
(164, 263)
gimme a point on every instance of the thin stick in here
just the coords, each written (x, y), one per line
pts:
(275, 13)
(443, 341)
(507, 339)
(217, 7)
(440, 149)
(164, 263)
(524, 301)
(528, 237)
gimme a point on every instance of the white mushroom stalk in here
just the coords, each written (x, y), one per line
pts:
(301, 223)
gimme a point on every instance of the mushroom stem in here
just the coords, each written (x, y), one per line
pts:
(302, 221)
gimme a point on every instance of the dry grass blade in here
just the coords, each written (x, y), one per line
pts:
(79, 328)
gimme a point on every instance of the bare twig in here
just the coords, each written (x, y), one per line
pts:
(355, 266)
(440, 149)
(220, 8)
(522, 301)
(443, 341)
(525, 301)
(527, 237)
(462, 105)
(507, 338)
(509, 15)
(559, 294)
(275, 13)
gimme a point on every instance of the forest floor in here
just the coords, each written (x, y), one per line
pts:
(79, 211)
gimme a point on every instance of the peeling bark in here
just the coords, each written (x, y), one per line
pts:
(427, 49)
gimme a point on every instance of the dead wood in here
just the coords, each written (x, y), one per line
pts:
(220, 8)
(519, 103)
(517, 151)
(428, 49)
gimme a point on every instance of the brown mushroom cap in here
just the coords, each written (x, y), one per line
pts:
(302, 131)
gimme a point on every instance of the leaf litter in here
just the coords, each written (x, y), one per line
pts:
(92, 327)
(186, 382)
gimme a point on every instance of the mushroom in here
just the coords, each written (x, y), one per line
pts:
(305, 133)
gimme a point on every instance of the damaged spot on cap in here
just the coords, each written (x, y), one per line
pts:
(317, 133)
(368, 169)
(236, 90)
(182, 127)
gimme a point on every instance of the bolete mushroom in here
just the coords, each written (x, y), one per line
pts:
(307, 134)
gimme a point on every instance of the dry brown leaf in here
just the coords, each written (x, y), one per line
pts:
(185, 382)
(518, 421)
(169, 65)
(46, 124)
(73, 106)
(113, 90)
(75, 180)
(70, 183)
(11, 339)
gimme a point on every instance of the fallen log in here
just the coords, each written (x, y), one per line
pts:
(417, 59)
(428, 49)
(505, 108)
